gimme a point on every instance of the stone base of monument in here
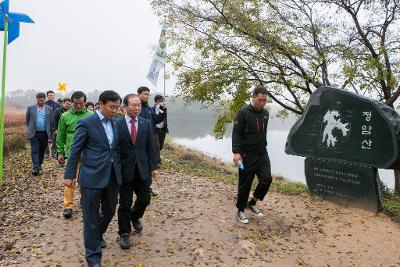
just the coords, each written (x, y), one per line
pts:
(345, 184)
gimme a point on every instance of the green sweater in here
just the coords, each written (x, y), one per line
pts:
(66, 129)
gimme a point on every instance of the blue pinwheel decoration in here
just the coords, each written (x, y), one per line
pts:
(13, 20)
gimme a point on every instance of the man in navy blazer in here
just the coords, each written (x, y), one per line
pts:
(139, 165)
(96, 146)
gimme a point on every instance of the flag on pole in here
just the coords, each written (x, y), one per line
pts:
(160, 57)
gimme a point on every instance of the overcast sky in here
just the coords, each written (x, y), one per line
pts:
(88, 44)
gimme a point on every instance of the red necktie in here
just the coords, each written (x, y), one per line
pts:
(133, 131)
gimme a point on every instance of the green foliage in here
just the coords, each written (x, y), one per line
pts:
(281, 185)
(229, 107)
(292, 47)
(391, 203)
(282, 113)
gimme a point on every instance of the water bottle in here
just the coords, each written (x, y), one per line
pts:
(240, 165)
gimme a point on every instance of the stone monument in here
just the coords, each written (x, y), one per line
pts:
(345, 137)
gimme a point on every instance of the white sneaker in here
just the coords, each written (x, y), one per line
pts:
(242, 217)
(255, 210)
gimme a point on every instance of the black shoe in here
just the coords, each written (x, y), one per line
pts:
(153, 193)
(242, 217)
(95, 265)
(35, 172)
(103, 243)
(125, 241)
(255, 210)
(137, 225)
(67, 213)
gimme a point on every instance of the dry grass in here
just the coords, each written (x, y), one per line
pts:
(14, 139)
(14, 119)
(14, 132)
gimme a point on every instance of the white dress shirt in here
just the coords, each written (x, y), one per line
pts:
(107, 127)
(128, 123)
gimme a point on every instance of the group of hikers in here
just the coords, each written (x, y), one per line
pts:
(112, 149)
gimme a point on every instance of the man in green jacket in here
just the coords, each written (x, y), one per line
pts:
(65, 137)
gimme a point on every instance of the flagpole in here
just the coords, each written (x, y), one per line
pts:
(3, 94)
(165, 77)
(165, 66)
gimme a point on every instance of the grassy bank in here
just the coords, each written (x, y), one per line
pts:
(391, 203)
(182, 159)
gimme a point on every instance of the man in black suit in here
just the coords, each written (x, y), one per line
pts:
(139, 165)
(96, 146)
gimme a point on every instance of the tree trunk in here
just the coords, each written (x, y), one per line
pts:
(397, 181)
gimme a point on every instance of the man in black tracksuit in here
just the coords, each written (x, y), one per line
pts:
(249, 145)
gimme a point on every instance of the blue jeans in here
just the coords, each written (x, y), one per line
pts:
(39, 145)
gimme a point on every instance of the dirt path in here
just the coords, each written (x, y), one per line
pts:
(192, 223)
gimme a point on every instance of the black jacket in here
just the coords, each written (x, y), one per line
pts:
(142, 154)
(149, 113)
(56, 118)
(249, 133)
(53, 104)
(165, 120)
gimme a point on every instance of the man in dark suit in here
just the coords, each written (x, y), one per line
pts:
(38, 120)
(149, 113)
(139, 165)
(54, 105)
(96, 146)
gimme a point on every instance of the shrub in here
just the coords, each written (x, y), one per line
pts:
(14, 143)
(14, 119)
(14, 132)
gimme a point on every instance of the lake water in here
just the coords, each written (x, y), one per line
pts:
(290, 167)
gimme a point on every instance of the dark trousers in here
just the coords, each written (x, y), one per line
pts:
(159, 138)
(162, 133)
(53, 147)
(254, 164)
(39, 145)
(98, 207)
(157, 143)
(127, 213)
